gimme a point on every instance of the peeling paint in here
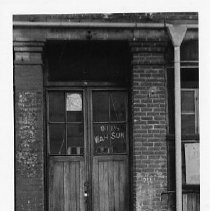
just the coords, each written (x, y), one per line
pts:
(147, 189)
(28, 118)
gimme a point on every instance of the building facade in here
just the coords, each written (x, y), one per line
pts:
(106, 112)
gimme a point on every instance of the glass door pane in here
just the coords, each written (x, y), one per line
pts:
(109, 122)
(66, 123)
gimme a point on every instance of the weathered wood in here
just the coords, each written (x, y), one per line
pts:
(184, 202)
(108, 188)
(101, 184)
(95, 196)
(116, 186)
(66, 184)
(81, 178)
(191, 202)
(122, 186)
(105, 186)
(112, 184)
(72, 188)
(56, 183)
(198, 202)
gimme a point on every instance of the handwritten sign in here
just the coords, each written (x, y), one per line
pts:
(117, 132)
(73, 102)
(110, 138)
(104, 132)
(101, 133)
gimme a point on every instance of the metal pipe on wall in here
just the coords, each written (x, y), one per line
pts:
(177, 34)
(178, 149)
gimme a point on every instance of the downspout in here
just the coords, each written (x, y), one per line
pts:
(177, 34)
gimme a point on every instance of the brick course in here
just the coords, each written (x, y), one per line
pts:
(149, 127)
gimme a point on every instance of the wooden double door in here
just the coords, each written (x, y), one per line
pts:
(88, 149)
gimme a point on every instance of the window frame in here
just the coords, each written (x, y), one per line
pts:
(196, 109)
(110, 122)
(65, 122)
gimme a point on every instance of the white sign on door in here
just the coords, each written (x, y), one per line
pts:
(73, 102)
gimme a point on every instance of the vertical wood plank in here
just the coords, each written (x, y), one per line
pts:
(66, 184)
(197, 202)
(73, 182)
(95, 185)
(111, 185)
(81, 184)
(101, 184)
(77, 183)
(194, 201)
(56, 196)
(116, 186)
(122, 186)
(105, 187)
(189, 202)
(184, 202)
(72, 187)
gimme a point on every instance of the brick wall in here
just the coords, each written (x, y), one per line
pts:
(28, 81)
(149, 126)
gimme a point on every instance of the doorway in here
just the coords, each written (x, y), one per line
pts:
(88, 149)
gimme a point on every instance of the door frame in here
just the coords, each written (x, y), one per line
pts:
(88, 131)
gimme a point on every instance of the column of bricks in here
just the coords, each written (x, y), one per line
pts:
(149, 126)
(29, 141)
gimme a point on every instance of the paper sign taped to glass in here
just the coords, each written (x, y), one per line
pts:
(73, 102)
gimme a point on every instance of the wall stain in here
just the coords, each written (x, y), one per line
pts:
(147, 189)
(28, 117)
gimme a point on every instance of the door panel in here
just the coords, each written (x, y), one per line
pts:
(66, 184)
(110, 183)
(88, 150)
(56, 184)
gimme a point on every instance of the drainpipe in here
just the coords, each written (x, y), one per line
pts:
(177, 34)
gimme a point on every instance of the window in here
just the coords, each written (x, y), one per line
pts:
(109, 122)
(189, 111)
(65, 123)
(189, 114)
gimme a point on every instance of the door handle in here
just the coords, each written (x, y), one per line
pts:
(85, 194)
(86, 188)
